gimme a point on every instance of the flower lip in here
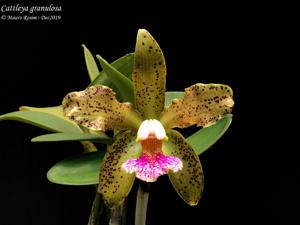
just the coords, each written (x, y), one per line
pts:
(151, 128)
(149, 168)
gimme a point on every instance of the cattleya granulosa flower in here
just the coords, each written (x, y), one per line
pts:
(145, 144)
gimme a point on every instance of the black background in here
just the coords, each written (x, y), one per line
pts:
(251, 174)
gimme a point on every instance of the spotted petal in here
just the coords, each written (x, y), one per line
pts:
(98, 109)
(203, 105)
(115, 183)
(189, 181)
(149, 76)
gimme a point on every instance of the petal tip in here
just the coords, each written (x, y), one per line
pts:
(142, 31)
(193, 202)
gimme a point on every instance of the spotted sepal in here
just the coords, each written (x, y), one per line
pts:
(115, 182)
(189, 181)
(149, 76)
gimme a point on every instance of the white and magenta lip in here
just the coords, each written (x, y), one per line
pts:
(152, 163)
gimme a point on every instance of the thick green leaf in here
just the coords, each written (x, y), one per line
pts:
(121, 82)
(91, 64)
(82, 169)
(206, 137)
(42, 120)
(100, 138)
(123, 64)
(170, 95)
(54, 110)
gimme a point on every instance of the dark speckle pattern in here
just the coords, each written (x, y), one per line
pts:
(189, 181)
(98, 109)
(203, 105)
(149, 76)
(114, 182)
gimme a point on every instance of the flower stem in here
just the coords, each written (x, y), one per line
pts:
(141, 203)
(124, 212)
(97, 209)
(116, 216)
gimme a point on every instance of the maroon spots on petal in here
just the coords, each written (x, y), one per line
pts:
(202, 105)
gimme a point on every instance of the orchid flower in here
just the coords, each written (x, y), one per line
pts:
(145, 144)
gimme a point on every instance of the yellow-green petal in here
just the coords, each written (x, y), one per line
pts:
(149, 76)
(98, 109)
(189, 181)
(114, 182)
(202, 104)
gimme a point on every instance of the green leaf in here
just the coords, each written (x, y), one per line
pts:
(122, 84)
(206, 137)
(91, 64)
(42, 120)
(123, 64)
(82, 169)
(54, 110)
(170, 95)
(100, 138)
